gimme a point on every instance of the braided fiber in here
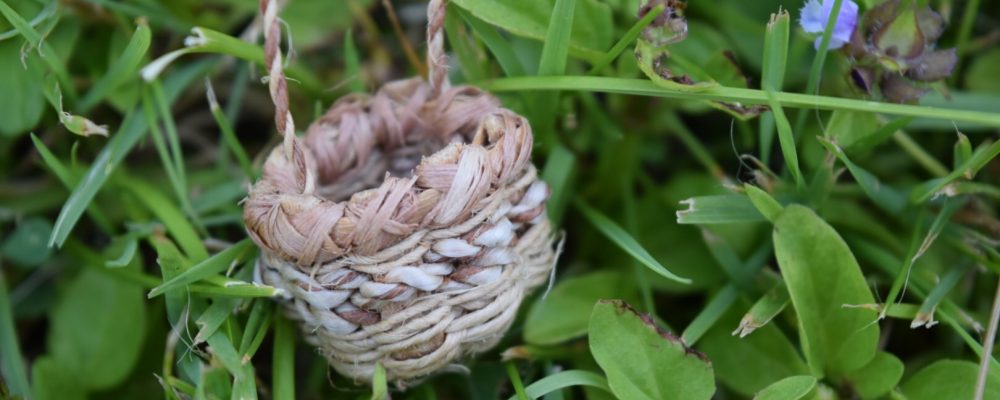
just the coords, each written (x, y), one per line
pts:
(406, 226)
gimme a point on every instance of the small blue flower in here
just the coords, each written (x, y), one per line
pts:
(814, 17)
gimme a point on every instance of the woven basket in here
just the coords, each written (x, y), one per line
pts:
(406, 227)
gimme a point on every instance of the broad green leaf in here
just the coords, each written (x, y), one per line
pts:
(790, 388)
(644, 362)
(822, 276)
(565, 312)
(881, 375)
(592, 25)
(626, 242)
(747, 365)
(53, 380)
(97, 329)
(26, 246)
(950, 379)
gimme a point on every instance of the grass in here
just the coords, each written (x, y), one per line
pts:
(864, 219)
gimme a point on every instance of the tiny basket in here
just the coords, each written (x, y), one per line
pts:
(407, 226)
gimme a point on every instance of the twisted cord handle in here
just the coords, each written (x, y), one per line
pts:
(437, 61)
(277, 84)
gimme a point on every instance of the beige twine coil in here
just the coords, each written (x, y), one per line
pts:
(406, 227)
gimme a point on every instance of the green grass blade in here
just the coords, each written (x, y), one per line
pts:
(921, 243)
(244, 382)
(204, 40)
(925, 316)
(258, 324)
(133, 128)
(352, 64)
(557, 172)
(982, 156)
(764, 310)
(283, 365)
(773, 75)
(709, 315)
(11, 362)
(380, 388)
(885, 196)
(122, 70)
(499, 46)
(562, 380)
(228, 135)
(965, 28)
(37, 41)
(775, 52)
(51, 161)
(213, 317)
(213, 265)
(786, 139)
(643, 87)
(168, 214)
(719, 209)
(623, 240)
(459, 39)
(128, 253)
(515, 381)
(626, 39)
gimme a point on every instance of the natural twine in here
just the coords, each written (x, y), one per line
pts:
(406, 226)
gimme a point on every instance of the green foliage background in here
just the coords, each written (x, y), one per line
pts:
(748, 257)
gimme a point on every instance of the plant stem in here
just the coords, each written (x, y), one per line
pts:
(642, 87)
(991, 334)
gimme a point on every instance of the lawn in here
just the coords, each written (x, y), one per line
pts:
(483, 199)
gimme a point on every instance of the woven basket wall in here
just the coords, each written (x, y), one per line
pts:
(406, 227)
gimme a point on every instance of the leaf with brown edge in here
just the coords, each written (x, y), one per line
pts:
(643, 361)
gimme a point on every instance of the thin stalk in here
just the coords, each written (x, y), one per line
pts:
(965, 32)
(991, 335)
(643, 87)
(812, 86)
(515, 380)
(920, 155)
(411, 55)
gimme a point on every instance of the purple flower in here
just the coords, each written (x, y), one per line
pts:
(814, 17)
